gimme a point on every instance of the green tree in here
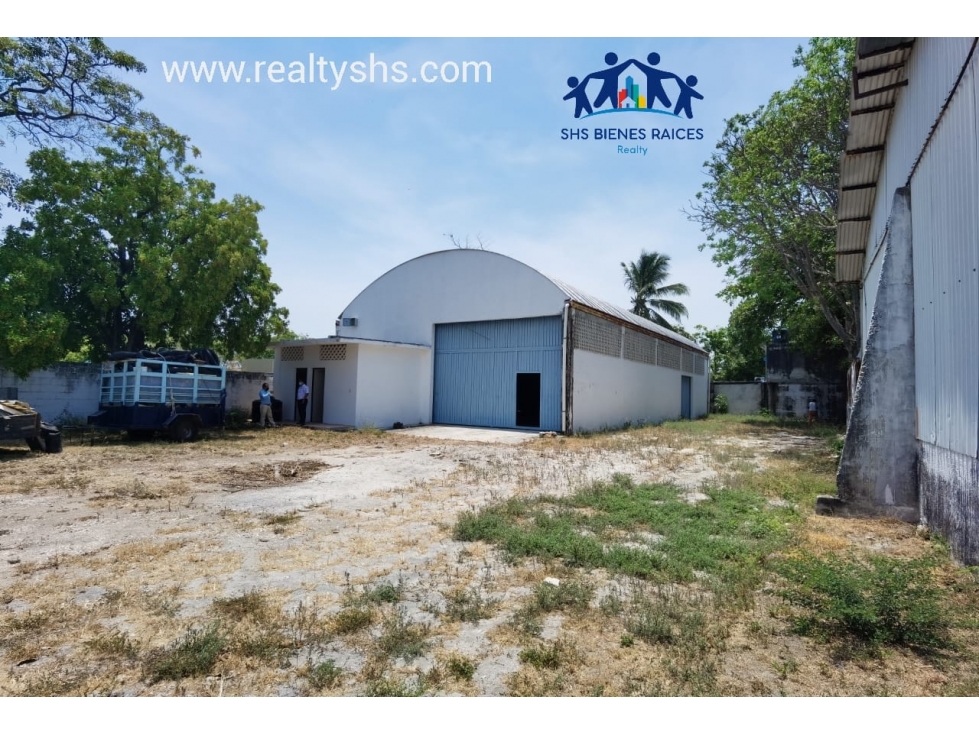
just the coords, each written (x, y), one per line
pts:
(282, 334)
(128, 250)
(62, 90)
(737, 351)
(769, 205)
(644, 278)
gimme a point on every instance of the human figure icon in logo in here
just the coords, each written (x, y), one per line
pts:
(686, 93)
(578, 93)
(654, 81)
(610, 79)
(628, 99)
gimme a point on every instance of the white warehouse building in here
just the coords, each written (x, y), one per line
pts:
(908, 235)
(474, 338)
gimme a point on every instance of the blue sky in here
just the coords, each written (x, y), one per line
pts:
(356, 180)
(362, 178)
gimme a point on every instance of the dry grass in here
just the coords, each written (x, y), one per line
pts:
(109, 463)
(273, 579)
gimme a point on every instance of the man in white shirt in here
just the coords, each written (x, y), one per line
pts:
(302, 399)
(813, 412)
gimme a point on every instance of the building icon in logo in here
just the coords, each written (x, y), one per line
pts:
(641, 90)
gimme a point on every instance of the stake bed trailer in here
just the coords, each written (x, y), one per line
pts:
(143, 396)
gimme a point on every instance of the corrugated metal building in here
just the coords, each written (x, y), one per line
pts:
(909, 234)
(470, 337)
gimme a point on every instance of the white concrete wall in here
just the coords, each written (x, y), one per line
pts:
(340, 388)
(243, 387)
(62, 393)
(449, 287)
(339, 384)
(792, 399)
(743, 398)
(609, 391)
(68, 393)
(700, 398)
(393, 386)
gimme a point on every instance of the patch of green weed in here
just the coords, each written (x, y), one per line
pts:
(876, 599)
(549, 655)
(401, 638)
(193, 654)
(734, 530)
(117, 643)
(324, 675)
(387, 688)
(385, 593)
(352, 619)
(461, 667)
(251, 604)
(468, 605)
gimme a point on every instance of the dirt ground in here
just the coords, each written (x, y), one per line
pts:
(113, 550)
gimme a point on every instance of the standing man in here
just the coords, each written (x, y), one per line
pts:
(265, 405)
(302, 398)
(813, 413)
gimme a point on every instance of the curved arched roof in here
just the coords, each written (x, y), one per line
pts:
(575, 295)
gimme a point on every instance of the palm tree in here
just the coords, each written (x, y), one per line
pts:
(643, 278)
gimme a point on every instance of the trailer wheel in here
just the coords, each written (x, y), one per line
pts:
(52, 442)
(51, 436)
(183, 430)
(35, 444)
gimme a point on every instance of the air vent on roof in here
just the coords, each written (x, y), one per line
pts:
(350, 322)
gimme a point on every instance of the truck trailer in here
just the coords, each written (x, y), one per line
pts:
(169, 392)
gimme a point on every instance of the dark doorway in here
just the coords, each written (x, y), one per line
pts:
(316, 395)
(300, 375)
(528, 399)
(685, 407)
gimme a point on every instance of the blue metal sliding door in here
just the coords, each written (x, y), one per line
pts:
(477, 366)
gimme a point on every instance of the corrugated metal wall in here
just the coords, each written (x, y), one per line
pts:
(933, 67)
(945, 222)
(476, 366)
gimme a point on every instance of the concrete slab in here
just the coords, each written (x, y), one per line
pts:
(467, 433)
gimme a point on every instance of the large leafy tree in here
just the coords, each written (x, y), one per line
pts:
(645, 280)
(737, 351)
(62, 90)
(769, 205)
(128, 250)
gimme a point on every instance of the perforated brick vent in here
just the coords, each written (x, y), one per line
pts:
(597, 335)
(668, 355)
(687, 361)
(333, 352)
(699, 364)
(293, 354)
(640, 347)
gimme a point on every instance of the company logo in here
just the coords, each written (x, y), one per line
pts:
(644, 88)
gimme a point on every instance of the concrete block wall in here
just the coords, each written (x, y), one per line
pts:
(243, 388)
(786, 399)
(67, 393)
(791, 400)
(743, 398)
(62, 393)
